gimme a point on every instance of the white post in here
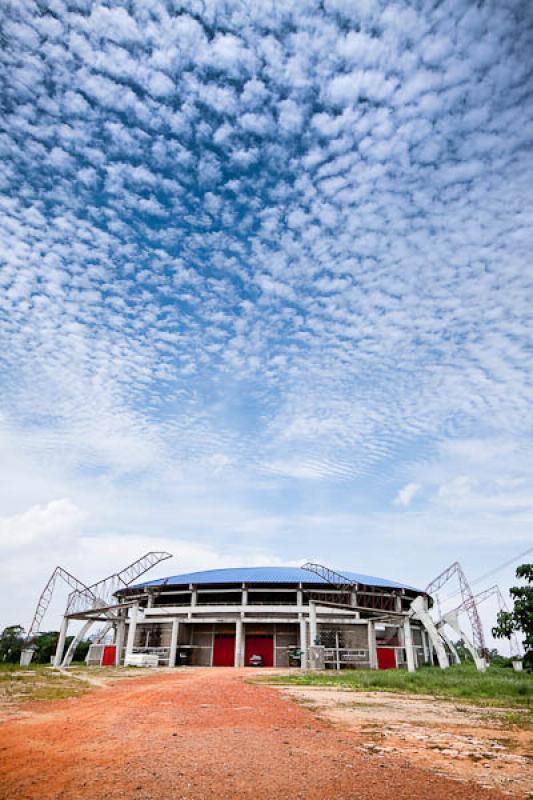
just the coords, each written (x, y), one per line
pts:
(451, 647)
(313, 626)
(238, 643)
(119, 641)
(173, 642)
(303, 642)
(244, 595)
(58, 658)
(372, 649)
(408, 644)
(132, 628)
(452, 619)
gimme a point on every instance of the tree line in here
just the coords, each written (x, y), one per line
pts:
(13, 641)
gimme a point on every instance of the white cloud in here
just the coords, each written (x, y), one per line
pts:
(294, 249)
(406, 494)
(40, 527)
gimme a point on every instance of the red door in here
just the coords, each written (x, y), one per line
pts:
(108, 656)
(224, 650)
(259, 646)
(386, 658)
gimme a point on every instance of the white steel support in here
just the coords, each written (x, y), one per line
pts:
(313, 626)
(132, 628)
(452, 619)
(303, 642)
(408, 644)
(238, 642)
(173, 642)
(69, 655)
(372, 648)
(419, 610)
(61, 643)
(448, 642)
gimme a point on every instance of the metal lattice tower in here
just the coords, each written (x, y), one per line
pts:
(485, 594)
(105, 589)
(46, 596)
(468, 601)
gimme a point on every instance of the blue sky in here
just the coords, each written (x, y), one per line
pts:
(265, 285)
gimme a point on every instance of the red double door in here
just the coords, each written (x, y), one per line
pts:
(255, 645)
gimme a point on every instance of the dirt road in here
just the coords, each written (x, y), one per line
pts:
(199, 734)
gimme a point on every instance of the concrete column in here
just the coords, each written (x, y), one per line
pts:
(119, 641)
(372, 649)
(244, 600)
(425, 646)
(173, 642)
(313, 625)
(132, 628)
(238, 643)
(299, 598)
(408, 644)
(194, 595)
(303, 641)
(58, 658)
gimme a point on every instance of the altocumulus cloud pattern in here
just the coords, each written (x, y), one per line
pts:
(291, 237)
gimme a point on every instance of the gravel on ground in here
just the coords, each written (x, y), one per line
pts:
(200, 734)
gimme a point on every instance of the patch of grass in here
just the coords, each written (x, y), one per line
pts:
(36, 682)
(496, 687)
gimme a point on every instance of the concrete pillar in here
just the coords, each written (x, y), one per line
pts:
(132, 628)
(173, 642)
(299, 598)
(408, 644)
(420, 611)
(119, 641)
(58, 658)
(313, 625)
(372, 649)
(238, 643)
(303, 642)
(194, 595)
(244, 595)
(425, 646)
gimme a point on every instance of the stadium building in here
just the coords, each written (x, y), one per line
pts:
(271, 617)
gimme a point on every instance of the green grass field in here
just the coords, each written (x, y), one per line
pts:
(496, 687)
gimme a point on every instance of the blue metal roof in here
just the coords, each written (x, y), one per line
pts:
(267, 575)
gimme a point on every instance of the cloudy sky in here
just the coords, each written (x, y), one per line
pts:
(265, 286)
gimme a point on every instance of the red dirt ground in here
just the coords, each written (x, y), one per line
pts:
(199, 735)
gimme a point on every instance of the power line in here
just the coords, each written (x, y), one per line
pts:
(502, 566)
(492, 572)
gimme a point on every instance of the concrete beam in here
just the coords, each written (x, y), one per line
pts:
(408, 644)
(132, 628)
(58, 658)
(173, 643)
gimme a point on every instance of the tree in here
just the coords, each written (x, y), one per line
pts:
(11, 643)
(520, 619)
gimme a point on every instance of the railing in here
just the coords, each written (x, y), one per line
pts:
(343, 656)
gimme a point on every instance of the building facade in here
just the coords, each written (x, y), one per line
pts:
(271, 617)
